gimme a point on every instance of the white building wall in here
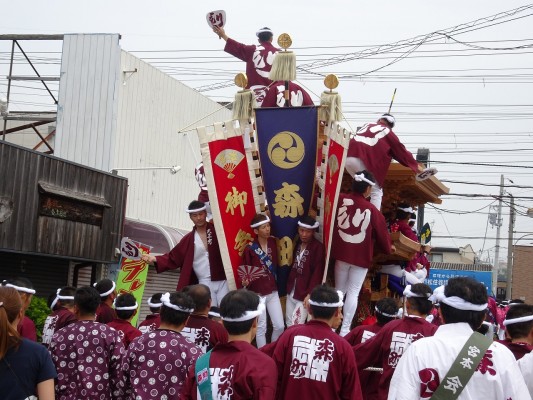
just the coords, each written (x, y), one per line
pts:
(88, 98)
(152, 108)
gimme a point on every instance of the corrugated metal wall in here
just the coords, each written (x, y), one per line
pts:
(153, 107)
(88, 98)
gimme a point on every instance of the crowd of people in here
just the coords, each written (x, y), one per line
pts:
(189, 349)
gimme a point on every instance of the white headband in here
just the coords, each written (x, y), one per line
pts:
(248, 315)
(20, 288)
(412, 220)
(407, 210)
(340, 303)
(165, 299)
(363, 178)
(438, 296)
(314, 226)
(125, 308)
(59, 297)
(263, 30)
(153, 305)
(214, 314)
(518, 320)
(195, 210)
(389, 118)
(408, 293)
(258, 224)
(385, 314)
(109, 291)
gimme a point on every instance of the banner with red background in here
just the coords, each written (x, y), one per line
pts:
(332, 169)
(232, 174)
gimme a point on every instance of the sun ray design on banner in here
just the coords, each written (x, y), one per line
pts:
(331, 171)
(235, 189)
(287, 141)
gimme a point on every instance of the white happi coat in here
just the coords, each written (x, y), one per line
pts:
(526, 366)
(427, 361)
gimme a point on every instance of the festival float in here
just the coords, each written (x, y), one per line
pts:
(287, 159)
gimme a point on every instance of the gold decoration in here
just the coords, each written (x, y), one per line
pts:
(288, 202)
(241, 80)
(284, 41)
(331, 81)
(228, 160)
(285, 251)
(286, 150)
(333, 163)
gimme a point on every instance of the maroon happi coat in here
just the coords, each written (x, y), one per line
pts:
(275, 95)
(355, 244)
(105, 314)
(59, 318)
(387, 347)
(182, 256)
(26, 329)
(519, 349)
(314, 362)
(87, 356)
(151, 323)
(238, 371)
(156, 365)
(369, 379)
(376, 145)
(258, 59)
(306, 272)
(126, 331)
(204, 332)
(265, 284)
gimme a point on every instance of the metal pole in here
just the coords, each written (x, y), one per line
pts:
(497, 247)
(9, 86)
(510, 261)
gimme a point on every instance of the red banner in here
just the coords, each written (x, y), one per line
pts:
(332, 169)
(228, 169)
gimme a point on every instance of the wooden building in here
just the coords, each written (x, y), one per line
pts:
(56, 214)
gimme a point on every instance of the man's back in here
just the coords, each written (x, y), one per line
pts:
(237, 371)
(87, 358)
(427, 361)
(315, 363)
(156, 364)
(204, 332)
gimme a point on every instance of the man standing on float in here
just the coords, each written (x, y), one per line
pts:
(258, 58)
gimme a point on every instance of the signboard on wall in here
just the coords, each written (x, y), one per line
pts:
(439, 277)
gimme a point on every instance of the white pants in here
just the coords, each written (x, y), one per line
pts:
(349, 279)
(218, 290)
(273, 306)
(410, 277)
(291, 306)
(353, 165)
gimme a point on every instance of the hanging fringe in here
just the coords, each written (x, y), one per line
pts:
(331, 107)
(244, 104)
(284, 67)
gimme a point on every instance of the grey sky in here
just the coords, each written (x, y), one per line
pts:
(461, 102)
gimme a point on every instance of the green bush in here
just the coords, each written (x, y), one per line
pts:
(37, 312)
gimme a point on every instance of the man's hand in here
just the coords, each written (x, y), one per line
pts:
(148, 259)
(392, 249)
(220, 32)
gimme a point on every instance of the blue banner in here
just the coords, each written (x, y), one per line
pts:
(287, 141)
(439, 277)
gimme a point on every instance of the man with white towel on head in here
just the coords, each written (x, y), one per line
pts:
(457, 362)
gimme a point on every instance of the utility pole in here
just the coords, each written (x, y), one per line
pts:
(510, 261)
(497, 247)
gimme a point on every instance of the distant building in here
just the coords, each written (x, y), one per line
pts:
(464, 255)
(522, 278)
